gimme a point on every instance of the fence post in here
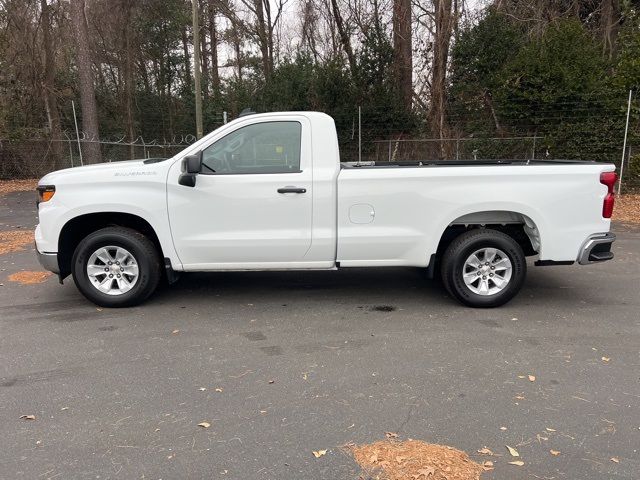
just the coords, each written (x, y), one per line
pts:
(69, 141)
(624, 143)
(359, 134)
(224, 118)
(75, 120)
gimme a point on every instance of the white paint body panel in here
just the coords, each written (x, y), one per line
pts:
(354, 216)
(414, 206)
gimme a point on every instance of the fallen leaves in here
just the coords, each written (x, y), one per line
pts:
(10, 186)
(532, 378)
(319, 453)
(487, 466)
(424, 472)
(615, 459)
(15, 240)
(627, 209)
(204, 424)
(175, 332)
(555, 453)
(391, 435)
(485, 451)
(27, 417)
(550, 429)
(512, 451)
(606, 359)
(29, 278)
(517, 463)
(415, 460)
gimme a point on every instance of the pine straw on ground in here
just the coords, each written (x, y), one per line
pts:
(29, 278)
(10, 186)
(15, 240)
(627, 209)
(414, 460)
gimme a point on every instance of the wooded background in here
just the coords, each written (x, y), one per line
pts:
(433, 78)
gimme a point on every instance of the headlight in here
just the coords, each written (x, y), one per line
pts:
(45, 193)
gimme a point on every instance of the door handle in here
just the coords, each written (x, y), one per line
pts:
(292, 190)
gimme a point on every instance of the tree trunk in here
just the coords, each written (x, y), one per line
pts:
(127, 69)
(48, 86)
(213, 38)
(344, 37)
(402, 57)
(91, 145)
(204, 57)
(262, 32)
(238, 51)
(186, 58)
(609, 23)
(441, 43)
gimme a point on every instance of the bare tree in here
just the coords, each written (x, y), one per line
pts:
(444, 22)
(128, 86)
(91, 148)
(610, 17)
(309, 25)
(213, 39)
(186, 59)
(402, 54)
(48, 85)
(343, 34)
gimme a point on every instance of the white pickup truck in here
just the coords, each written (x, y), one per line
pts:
(268, 192)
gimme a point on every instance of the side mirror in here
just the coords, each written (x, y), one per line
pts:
(191, 166)
(192, 163)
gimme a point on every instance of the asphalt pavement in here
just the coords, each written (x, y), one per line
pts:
(282, 364)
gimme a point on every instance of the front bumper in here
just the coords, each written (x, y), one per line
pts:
(596, 248)
(49, 261)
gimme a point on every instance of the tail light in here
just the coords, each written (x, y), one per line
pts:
(608, 179)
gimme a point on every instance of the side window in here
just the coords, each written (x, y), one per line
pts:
(268, 147)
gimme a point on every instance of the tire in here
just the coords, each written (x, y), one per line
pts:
(122, 284)
(491, 281)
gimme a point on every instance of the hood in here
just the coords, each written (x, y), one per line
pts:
(127, 168)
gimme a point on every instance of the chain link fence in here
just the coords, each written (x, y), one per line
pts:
(37, 157)
(33, 158)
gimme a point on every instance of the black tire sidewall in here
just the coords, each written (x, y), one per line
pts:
(491, 239)
(130, 240)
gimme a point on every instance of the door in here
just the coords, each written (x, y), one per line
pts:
(251, 206)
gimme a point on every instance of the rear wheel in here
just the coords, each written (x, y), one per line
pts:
(116, 267)
(483, 268)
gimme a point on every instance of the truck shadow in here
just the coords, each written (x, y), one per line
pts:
(371, 286)
(382, 287)
(381, 284)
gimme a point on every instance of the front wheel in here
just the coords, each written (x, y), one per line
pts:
(483, 268)
(116, 267)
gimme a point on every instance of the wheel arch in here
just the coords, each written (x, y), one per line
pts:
(77, 228)
(519, 226)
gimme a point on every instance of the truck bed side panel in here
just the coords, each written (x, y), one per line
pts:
(410, 208)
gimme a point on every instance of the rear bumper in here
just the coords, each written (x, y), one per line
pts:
(596, 248)
(49, 261)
